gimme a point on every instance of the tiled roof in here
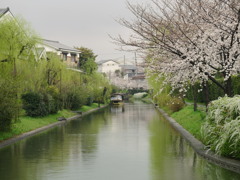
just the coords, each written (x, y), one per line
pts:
(128, 67)
(138, 77)
(103, 61)
(3, 11)
(61, 47)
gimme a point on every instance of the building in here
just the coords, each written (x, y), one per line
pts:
(131, 75)
(109, 67)
(5, 13)
(67, 54)
(7, 16)
(128, 69)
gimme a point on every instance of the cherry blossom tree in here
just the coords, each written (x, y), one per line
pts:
(189, 40)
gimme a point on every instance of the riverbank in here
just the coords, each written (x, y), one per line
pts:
(28, 126)
(198, 146)
(191, 120)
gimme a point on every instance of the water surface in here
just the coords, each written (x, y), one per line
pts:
(133, 142)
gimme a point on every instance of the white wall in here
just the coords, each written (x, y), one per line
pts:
(7, 16)
(109, 67)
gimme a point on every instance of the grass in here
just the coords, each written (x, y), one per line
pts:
(191, 102)
(88, 108)
(27, 123)
(190, 120)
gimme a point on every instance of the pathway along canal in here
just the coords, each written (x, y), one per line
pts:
(133, 142)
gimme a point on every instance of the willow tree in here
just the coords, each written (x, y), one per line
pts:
(190, 40)
(17, 44)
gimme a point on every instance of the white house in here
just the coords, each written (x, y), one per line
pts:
(109, 67)
(66, 53)
(5, 13)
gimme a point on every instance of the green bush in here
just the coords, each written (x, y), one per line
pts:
(9, 104)
(34, 105)
(145, 95)
(89, 101)
(236, 85)
(222, 127)
(73, 101)
(175, 104)
(39, 104)
(54, 100)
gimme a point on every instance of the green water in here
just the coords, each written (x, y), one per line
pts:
(133, 142)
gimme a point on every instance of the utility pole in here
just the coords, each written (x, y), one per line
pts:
(135, 58)
(136, 62)
(124, 65)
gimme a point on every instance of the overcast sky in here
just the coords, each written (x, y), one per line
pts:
(76, 22)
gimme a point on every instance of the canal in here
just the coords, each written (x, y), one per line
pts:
(133, 142)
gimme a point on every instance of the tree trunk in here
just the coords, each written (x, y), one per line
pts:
(228, 87)
(194, 97)
(206, 92)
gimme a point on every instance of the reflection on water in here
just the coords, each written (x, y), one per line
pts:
(123, 142)
(117, 108)
(173, 158)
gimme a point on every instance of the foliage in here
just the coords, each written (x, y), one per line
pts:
(17, 40)
(17, 44)
(73, 101)
(9, 104)
(87, 60)
(85, 108)
(42, 103)
(214, 91)
(175, 104)
(44, 85)
(28, 123)
(189, 40)
(222, 127)
(156, 83)
(53, 93)
(34, 104)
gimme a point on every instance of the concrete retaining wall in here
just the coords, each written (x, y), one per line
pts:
(199, 147)
(33, 132)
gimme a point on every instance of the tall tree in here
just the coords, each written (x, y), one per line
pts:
(17, 44)
(87, 60)
(190, 40)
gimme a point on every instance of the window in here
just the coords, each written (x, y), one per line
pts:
(73, 57)
(64, 56)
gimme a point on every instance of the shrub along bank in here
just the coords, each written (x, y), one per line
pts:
(42, 85)
(27, 123)
(221, 131)
(219, 128)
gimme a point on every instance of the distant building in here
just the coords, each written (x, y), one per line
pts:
(129, 76)
(109, 67)
(5, 13)
(67, 54)
(128, 69)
